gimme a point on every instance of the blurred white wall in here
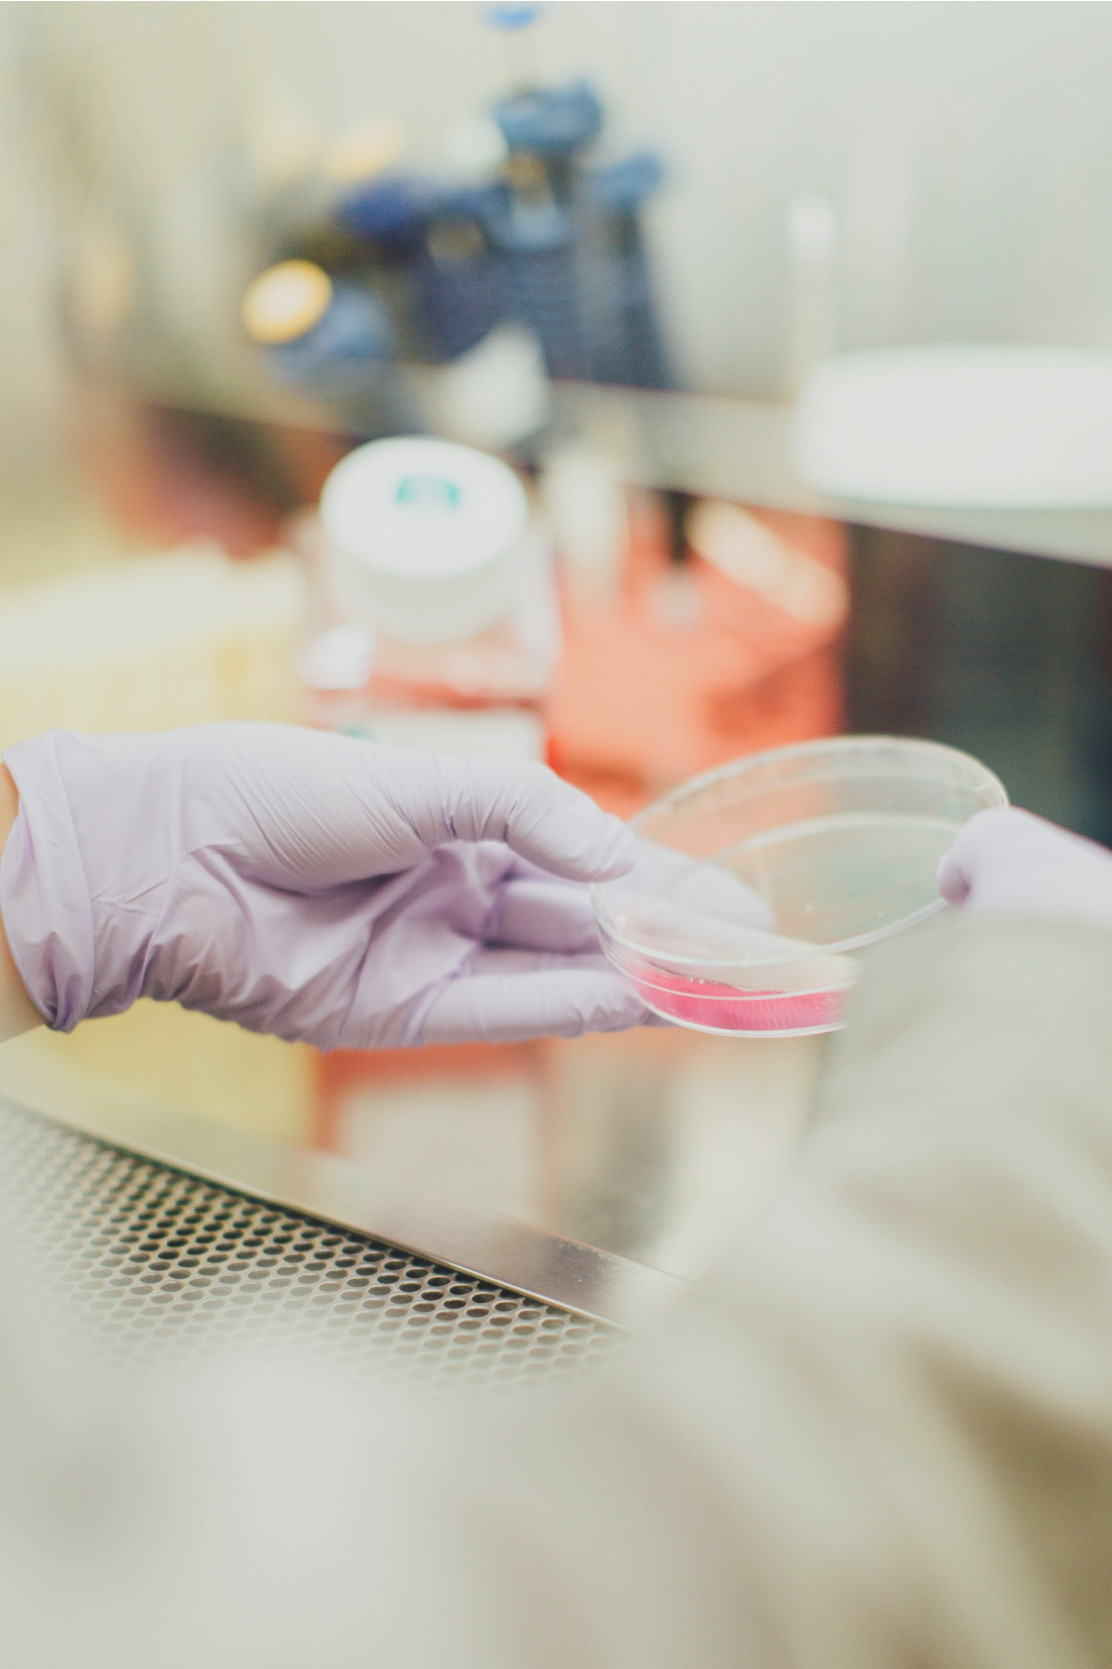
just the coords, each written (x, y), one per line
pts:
(32, 375)
(967, 147)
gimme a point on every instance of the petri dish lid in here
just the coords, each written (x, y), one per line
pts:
(769, 876)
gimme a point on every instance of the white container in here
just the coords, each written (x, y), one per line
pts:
(979, 426)
(424, 539)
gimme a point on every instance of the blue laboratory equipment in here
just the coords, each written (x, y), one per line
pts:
(344, 352)
(628, 348)
(431, 266)
(547, 242)
(512, 18)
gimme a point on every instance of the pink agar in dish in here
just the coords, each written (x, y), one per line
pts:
(723, 1008)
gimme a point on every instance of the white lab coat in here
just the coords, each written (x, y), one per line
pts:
(879, 1435)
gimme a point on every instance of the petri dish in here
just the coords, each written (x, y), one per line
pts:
(761, 887)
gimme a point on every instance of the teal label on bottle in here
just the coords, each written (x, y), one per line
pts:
(428, 494)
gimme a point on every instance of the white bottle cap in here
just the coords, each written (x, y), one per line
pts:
(423, 538)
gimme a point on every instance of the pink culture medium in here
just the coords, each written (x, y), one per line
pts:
(722, 1008)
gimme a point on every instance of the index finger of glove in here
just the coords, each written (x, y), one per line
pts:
(307, 810)
(444, 798)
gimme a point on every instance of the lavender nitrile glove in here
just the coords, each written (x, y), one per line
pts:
(310, 885)
(1007, 862)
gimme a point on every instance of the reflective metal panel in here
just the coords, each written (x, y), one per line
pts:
(156, 1265)
(579, 1278)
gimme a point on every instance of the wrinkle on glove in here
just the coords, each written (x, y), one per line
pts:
(324, 889)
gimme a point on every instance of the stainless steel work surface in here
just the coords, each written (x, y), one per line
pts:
(468, 1237)
(157, 1264)
(593, 1171)
(655, 1146)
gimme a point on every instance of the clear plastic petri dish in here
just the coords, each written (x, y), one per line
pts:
(761, 887)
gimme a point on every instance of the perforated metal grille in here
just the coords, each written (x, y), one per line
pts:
(161, 1264)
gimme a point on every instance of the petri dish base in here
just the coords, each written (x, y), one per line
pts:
(706, 1006)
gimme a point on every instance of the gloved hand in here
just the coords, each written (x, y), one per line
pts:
(310, 885)
(1007, 862)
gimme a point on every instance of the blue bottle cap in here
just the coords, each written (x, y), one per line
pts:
(509, 18)
(552, 121)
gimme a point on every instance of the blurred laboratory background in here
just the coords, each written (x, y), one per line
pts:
(627, 386)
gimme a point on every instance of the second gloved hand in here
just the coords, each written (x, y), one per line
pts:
(320, 888)
(1007, 862)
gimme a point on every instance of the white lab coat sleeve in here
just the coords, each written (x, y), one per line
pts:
(880, 1434)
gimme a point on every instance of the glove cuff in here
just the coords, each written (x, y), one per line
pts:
(44, 895)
